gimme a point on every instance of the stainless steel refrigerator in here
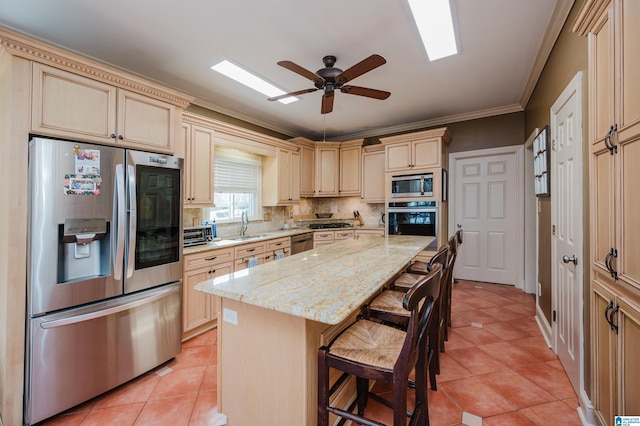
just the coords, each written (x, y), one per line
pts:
(104, 281)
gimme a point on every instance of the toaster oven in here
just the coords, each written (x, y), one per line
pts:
(196, 235)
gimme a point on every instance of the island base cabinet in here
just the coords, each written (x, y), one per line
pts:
(267, 366)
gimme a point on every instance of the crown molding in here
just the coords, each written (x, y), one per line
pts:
(40, 52)
(558, 19)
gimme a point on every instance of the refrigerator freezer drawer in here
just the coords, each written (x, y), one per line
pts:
(79, 354)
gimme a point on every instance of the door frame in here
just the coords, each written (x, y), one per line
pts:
(574, 87)
(518, 151)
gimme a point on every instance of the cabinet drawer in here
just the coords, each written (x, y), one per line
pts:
(278, 243)
(241, 264)
(344, 235)
(207, 258)
(377, 232)
(324, 236)
(251, 249)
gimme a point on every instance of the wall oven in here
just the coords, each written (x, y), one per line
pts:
(412, 186)
(413, 218)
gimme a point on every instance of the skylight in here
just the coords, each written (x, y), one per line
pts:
(435, 24)
(250, 80)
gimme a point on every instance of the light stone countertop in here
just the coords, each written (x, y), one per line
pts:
(326, 284)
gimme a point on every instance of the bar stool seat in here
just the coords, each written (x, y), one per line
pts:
(389, 301)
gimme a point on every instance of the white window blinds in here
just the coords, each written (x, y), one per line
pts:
(236, 171)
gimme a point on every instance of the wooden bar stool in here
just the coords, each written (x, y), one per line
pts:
(387, 307)
(370, 350)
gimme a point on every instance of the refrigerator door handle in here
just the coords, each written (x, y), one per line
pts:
(110, 311)
(133, 221)
(120, 204)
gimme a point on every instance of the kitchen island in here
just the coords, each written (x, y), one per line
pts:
(275, 316)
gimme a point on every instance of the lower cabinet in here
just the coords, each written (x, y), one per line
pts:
(323, 238)
(200, 310)
(375, 232)
(615, 348)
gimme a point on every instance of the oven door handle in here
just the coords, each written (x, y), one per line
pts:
(411, 210)
(421, 185)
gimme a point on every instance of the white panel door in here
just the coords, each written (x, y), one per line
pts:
(486, 189)
(566, 218)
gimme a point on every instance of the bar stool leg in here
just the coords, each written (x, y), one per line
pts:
(362, 386)
(323, 388)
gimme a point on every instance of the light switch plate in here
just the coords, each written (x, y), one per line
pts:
(230, 316)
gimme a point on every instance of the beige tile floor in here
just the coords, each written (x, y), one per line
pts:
(497, 370)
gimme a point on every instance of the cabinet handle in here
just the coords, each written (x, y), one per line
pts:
(212, 258)
(212, 271)
(120, 137)
(614, 326)
(612, 253)
(279, 244)
(113, 135)
(606, 313)
(249, 251)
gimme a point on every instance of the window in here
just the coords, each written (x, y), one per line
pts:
(237, 185)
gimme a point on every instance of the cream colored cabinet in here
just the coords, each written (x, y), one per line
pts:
(281, 178)
(614, 133)
(200, 310)
(350, 168)
(615, 346)
(323, 238)
(327, 169)
(369, 232)
(198, 165)
(251, 253)
(416, 151)
(373, 189)
(307, 167)
(277, 247)
(72, 106)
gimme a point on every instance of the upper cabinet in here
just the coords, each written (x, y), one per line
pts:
(416, 151)
(327, 169)
(198, 154)
(307, 166)
(281, 178)
(373, 160)
(350, 164)
(71, 106)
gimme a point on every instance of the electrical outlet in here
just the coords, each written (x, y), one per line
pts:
(230, 316)
(539, 290)
(291, 215)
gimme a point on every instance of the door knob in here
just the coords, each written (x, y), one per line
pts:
(567, 259)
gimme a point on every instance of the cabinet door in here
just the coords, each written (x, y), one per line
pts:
(426, 153)
(196, 304)
(307, 171)
(628, 322)
(284, 176)
(398, 156)
(327, 171)
(294, 176)
(602, 71)
(214, 301)
(602, 206)
(603, 346)
(199, 166)
(373, 177)
(71, 106)
(350, 163)
(145, 123)
(629, 115)
(628, 265)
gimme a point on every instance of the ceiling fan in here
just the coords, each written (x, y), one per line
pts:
(330, 79)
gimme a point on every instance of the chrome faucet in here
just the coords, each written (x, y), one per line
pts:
(244, 222)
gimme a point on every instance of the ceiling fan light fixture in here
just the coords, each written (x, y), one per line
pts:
(434, 19)
(251, 80)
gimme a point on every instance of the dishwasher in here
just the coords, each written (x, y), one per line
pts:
(301, 242)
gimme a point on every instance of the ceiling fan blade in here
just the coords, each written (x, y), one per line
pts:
(366, 65)
(290, 94)
(327, 103)
(301, 71)
(364, 91)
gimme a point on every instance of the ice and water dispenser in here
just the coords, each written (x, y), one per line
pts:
(84, 249)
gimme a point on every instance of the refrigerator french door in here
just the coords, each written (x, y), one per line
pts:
(104, 270)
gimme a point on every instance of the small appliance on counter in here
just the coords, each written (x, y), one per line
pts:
(197, 235)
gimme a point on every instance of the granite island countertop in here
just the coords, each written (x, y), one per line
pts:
(326, 284)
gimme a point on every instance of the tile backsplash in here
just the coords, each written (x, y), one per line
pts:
(341, 207)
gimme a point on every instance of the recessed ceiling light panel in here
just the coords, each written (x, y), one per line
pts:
(434, 20)
(250, 80)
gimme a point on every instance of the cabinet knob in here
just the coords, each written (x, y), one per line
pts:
(113, 135)
(120, 137)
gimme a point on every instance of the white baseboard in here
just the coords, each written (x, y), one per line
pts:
(585, 410)
(545, 327)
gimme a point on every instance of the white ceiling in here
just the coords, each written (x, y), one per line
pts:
(174, 42)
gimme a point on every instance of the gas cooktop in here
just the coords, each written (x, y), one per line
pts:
(329, 225)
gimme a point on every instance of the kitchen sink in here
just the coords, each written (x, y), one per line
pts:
(248, 237)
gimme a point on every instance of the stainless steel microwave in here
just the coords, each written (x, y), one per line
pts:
(412, 186)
